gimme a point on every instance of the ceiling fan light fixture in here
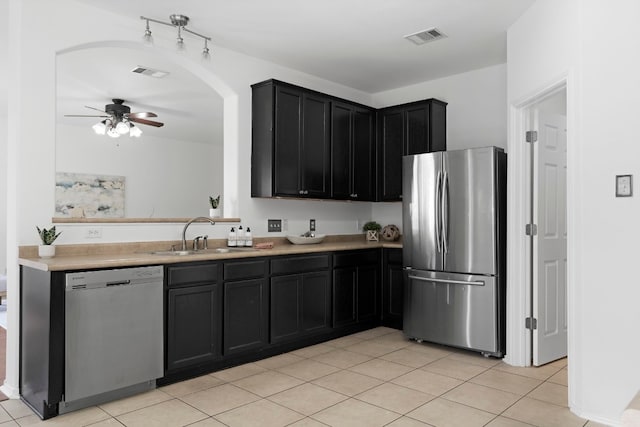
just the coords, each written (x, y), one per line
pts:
(122, 128)
(134, 131)
(100, 128)
(113, 133)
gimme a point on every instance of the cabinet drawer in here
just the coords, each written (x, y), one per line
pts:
(245, 270)
(356, 258)
(299, 264)
(190, 274)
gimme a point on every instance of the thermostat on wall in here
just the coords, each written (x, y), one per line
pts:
(624, 186)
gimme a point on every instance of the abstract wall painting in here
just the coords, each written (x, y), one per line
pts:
(89, 196)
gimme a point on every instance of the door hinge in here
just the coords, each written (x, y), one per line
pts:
(531, 229)
(531, 323)
(531, 135)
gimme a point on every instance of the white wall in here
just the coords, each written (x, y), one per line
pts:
(165, 178)
(476, 115)
(597, 45)
(3, 191)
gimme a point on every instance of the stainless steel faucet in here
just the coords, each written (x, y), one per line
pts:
(184, 230)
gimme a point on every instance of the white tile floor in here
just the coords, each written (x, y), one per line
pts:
(373, 378)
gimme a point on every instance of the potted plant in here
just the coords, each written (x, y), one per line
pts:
(214, 212)
(372, 228)
(47, 249)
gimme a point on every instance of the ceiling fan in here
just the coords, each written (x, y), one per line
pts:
(119, 120)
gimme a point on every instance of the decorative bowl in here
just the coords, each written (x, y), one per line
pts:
(301, 240)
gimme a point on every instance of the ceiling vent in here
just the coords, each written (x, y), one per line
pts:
(158, 74)
(425, 36)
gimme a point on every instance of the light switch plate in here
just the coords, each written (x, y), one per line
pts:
(624, 186)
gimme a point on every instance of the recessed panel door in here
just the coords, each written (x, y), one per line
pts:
(550, 244)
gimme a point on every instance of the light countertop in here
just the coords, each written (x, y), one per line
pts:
(82, 257)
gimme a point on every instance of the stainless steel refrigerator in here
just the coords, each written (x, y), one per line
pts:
(454, 226)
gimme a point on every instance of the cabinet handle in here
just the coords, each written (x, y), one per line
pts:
(306, 191)
(355, 195)
(301, 192)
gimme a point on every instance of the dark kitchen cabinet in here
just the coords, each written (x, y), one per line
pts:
(245, 306)
(352, 152)
(193, 315)
(392, 288)
(290, 142)
(356, 278)
(417, 127)
(300, 297)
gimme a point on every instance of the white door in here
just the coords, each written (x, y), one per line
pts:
(550, 243)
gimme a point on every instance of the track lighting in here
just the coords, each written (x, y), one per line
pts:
(148, 38)
(180, 22)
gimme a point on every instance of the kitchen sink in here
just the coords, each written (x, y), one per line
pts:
(175, 253)
(202, 251)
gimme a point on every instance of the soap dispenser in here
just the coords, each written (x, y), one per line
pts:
(240, 237)
(248, 239)
(232, 240)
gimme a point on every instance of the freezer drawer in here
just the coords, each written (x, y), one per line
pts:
(459, 310)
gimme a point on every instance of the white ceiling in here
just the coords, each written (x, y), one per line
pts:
(358, 43)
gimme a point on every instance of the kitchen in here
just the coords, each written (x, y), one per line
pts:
(31, 174)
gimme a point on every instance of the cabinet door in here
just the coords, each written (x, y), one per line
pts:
(392, 297)
(315, 152)
(287, 141)
(245, 315)
(390, 154)
(315, 300)
(192, 326)
(341, 133)
(417, 129)
(368, 280)
(285, 307)
(344, 296)
(363, 155)
(300, 305)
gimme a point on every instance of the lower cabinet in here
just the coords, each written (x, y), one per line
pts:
(188, 345)
(300, 297)
(300, 305)
(246, 305)
(356, 278)
(193, 316)
(245, 315)
(392, 288)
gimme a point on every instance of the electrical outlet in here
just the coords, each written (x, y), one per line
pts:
(274, 225)
(285, 225)
(312, 225)
(93, 233)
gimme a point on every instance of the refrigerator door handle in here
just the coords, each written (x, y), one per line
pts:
(438, 215)
(444, 206)
(453, 282)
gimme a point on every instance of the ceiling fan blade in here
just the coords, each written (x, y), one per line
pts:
(146, 122)
(142, 115)
(93, 108)
(84, 115)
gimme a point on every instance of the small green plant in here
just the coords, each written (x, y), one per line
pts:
(371, 226)
(214, 201)
(48, 236)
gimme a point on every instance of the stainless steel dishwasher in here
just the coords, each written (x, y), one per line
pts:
(113, 334)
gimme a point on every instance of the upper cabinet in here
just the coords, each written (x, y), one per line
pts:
(291, 142)
(306, 144)
(414, 128)
(352, 152)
